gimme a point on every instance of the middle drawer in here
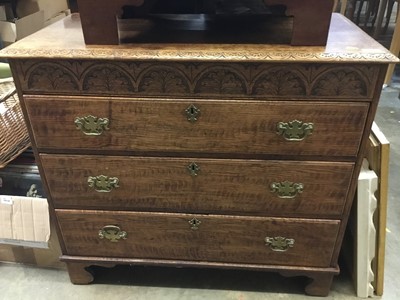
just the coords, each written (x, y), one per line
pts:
(256, 187)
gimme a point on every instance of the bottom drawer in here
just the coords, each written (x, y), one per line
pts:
(235, 239)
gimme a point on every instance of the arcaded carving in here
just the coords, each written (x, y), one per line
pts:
(161, 80)
(241, 80)
(280, 82)
(107, 78)
(51, 77)
(340, 82)
(220, 81)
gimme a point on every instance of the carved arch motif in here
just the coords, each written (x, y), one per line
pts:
(163, 79)
(51, 77)
(221, 80)
(107, 78)
(279, 82)
(345, 81)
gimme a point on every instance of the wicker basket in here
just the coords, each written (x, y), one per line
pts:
(14, 138)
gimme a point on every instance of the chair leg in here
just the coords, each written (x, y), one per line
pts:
(375, 11)
(351, 10)
(368, 12)
(359, 11)
(335, 4)
(343, 6)
(388, 14)
(394, 48)
(379, 20)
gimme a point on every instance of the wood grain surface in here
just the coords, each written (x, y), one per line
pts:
(230, 127)
(225, 186)
(242, 92)
(218, 238)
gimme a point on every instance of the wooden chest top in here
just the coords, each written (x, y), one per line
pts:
(64, 40)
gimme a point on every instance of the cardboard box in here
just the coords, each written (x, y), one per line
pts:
(24, 221)
(44, 258)
(13, 31)
(51, 8)
(21, 178)
(3, 15)
(58, 17)
(33, 15)
(24, 212)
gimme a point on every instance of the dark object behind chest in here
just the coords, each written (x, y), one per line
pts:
(303, 23)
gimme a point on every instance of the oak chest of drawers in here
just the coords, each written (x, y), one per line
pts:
(225, 156)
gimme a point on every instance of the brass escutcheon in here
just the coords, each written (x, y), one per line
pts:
(193, 169)
(112, 233)
(194, 224)
(91, 125)
(102, 183)
(279, 243)
(287, 189)
(192, 113)
(295, 130)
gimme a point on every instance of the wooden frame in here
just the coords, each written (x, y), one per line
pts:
(378, 157)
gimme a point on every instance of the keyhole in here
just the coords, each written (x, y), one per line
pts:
(192, 113)
(193, 169)
(194, 224)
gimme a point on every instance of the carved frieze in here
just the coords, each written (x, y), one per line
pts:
(163, 80)
(199, 79)
(340, 82)
(107, 78)
(280, 81)
(220, 81)
(52, 77)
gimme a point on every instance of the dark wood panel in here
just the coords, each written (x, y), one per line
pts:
(221, 126)
(218, 238)
(220, 80)
(223, 186)
(99, 24)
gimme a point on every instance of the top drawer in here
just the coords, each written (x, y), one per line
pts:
(198, 126)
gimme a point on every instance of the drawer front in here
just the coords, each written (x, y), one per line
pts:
(198, 185)
(254, 127)
(277, 241)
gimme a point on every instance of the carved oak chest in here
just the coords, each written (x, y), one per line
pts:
(222, 156)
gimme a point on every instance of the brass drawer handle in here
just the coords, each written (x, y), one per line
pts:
(287, 189)
(102, 183)
(194, 224)
(295, 130)
(91, 125)
(193, 169)
(192, 113)
(112, 233)
(279, 243)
